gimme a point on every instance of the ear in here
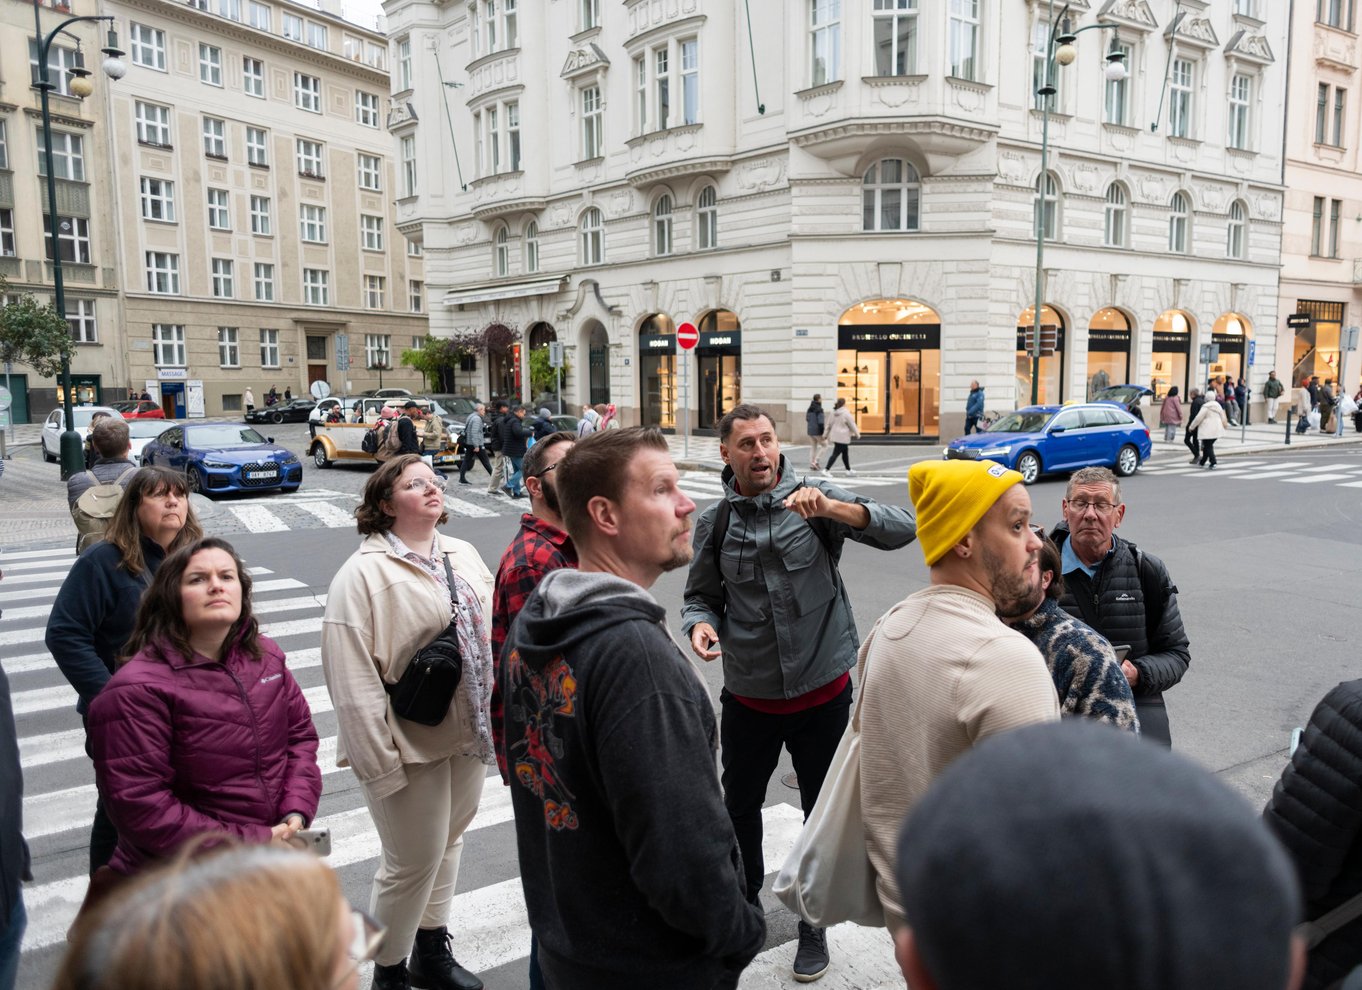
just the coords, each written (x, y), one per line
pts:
(723, 452)
(910, 961)
(535, 486)
(966, 547)
(1119, 514)
(604, 515)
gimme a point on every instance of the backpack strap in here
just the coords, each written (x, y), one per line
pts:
(1151, 586)
(119, 479)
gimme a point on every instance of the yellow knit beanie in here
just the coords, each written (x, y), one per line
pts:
(950, 497)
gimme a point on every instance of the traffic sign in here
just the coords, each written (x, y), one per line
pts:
(5, 398)
(320, 390)
(687, 336)
(1252, 351)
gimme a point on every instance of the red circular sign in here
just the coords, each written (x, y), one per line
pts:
(687, 336)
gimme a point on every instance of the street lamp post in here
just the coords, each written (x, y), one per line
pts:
(380, 367)
(1064, 37)
(72, 460)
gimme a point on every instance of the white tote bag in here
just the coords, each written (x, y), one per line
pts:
(827, 878)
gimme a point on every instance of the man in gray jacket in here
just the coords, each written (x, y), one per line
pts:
(473, 443)
(764, 583)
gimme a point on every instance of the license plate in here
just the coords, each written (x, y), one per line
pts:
(258, 475)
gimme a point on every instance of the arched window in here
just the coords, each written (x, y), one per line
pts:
(707, 218)
(503, 252)
(1116, 215)
(1046, 207)
(593, 237)
(662, 226)
(1235, 242)
(891, 196)
(1179, 222)
(532, 247)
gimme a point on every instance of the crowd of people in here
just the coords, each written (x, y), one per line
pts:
(990, 828)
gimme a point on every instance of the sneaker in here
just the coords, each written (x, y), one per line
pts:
(851, 472)
(811, 958)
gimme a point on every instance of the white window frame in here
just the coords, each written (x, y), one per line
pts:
(158, 199)
(377, 350)
(641, 93)
(4, 145)
(374, 289)
(366, 108)
(1116, 92)
(825, 41)
(511, 116)
(317, 286)
(292, 27)
(371, 232)
(403, 65)
(1116, 217)
(310, 156)
(501, 252)
(1179, 223)
(262, 224)
(1181, 97)
(60, 61)
(147, 46)
(588, 14)
(73, 239)
(253, 76)
(8, 249)
(269, 348)
(531, 247)
(229, 347)
(68, 156)
(414, 249)
(416, 295)
(257, 147)
(1045, 207)
(312, 223)
(593, 122)
(230, 9)
(163, 272)
(407, 147)
(1240, 115)
(874, 188)
(1335, 226)
(1317, 228)
(688, 55)
(887, 20)
(80, 316)
(261, 15)
(307, 92)
(664, 226)
(963, 40)
(210, 64)
(219, 209)
(369, 172)
(167, 345)
(223, 275)
(153, 124)
(317, 36)
(1236, 229)
(592, 231)
(662, 85)
(263, 277)
(215, 137)
(707, 218)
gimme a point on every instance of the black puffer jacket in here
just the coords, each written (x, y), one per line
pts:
(514, 435)
(1316, 812)
(1112, 602)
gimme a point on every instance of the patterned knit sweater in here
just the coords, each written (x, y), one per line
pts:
(1084, 667)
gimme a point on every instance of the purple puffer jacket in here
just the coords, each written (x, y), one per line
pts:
(183, 747)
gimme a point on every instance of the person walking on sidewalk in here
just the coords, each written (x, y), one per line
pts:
(515, 437)
(1325, 398)
(1272, 391)
(1170, 414)
(1210, 425)
(474, 443)
(841, 430)
(1190, 438)
(974, 407)
(249, 397)
(493, 433)
(814, 423)
(1241, 399)
(1305, 402)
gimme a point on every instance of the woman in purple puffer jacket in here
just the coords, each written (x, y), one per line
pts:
(203, 730)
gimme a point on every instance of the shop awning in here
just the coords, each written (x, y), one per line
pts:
(503, 290)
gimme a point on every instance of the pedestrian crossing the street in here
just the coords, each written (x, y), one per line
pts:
(1344, 474)
(489, 922)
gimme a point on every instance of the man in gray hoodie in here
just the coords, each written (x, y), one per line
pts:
(630, 867)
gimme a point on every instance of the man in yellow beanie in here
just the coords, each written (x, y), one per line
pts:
(941, 672)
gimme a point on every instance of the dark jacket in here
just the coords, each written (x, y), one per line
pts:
(407, 436)
(542, 427)
(630, 867)
(1112, 602)
(14, 861)
(1316, 812)
(813, 420)
(185, 746)
(773, 593)
(106, 472)
(1193, 409)
(514, 435)
(93, 615)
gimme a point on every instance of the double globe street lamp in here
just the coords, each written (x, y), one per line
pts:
(1061, 46)
(81, 85)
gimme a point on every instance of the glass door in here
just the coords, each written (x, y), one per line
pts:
(658, 372)
(720, 386)
(893, 393)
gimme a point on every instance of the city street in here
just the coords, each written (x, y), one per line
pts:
(1265, 552)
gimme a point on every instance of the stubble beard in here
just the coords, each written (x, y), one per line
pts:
(679, 559)
(1014, 595)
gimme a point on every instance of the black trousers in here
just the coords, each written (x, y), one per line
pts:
(1193, 443)
(468, 454)
(103, 835)
(751, 742)
(840, 449)
(1208, 452)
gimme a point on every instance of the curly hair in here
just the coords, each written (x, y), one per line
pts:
(370, 516)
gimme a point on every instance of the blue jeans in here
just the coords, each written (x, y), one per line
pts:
(9, 944)
(515, 482)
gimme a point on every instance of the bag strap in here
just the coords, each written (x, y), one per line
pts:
(94, 479)
(860, 674)
(119, 479)
(1315, 932)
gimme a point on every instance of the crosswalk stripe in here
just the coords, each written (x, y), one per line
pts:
(32, 594)
(1351, 484)
(329, 513)
(36, 634)
(10, 556)
(257, 518)
(1345, 466)
(1314, 479)
(1219, 474)
(862, 959)
(461, 508)
(277, 605)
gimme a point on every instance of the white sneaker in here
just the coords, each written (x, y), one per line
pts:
(850, 471)
(825, 472)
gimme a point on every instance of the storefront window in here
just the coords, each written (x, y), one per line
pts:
(657, 371)
(1108, 350)
(889, 367)
(1230, 334)
(1051, 357)
(720, 360)
(1316, 345)
(1172, 344)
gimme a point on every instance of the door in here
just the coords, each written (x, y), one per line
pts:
(18, 390)
(720, 386)
(1064, 449)
(892, 393)
(172, 399)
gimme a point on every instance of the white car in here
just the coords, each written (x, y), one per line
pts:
(55, 425)
(142, 431)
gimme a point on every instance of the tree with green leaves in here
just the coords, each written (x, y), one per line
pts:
(543, 377)
(436, 359)
(33, 334)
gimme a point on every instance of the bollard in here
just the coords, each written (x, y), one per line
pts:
(1288, 427)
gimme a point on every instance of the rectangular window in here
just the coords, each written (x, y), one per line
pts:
(376, 350)
(1321, 113)
(641, 92)
(214, 137)
(404, 65)
(167, 341)
(223, 283)
(662, 86)
(310, 158)
(690, 81)
(493, 141)
(513, 136)
(1317, 228)
(1340, 102)
(4, 145)
(1335, 216)
(1335, 13)
(316, 287)
(366, 108)
(375, 55)
(371, 232)
(60, 61)
(592, 143)
(1245, 7)
(68, 156)
(1040, 74)
(80, 316)
(307, 92)
(153, 124)
(825, 41)
(163, 273)
(414, 249)
(264, 282)
(229, 348)
(253, 76)
(269, 348)
(370, 172)
(963, 39)
(1180, 98)
(73, 239)
(894, 24)
(408, 146)
(416, 292)
(158, 199)
(1241, 92)
(479, 144)
(373, 291)
(312, 223)
(258, 146)
(591, 14)
(147, 46)
(352, 48)
(219, 210)
(260, 14)
(293, 27)
(210, 64)
(1116, 102)
(230, 9)
(260, 216)
(316, 35)
(7, 248)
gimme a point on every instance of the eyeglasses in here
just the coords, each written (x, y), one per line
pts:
(551, 467)
(1101, 508)
(421, 484)
(364, 944)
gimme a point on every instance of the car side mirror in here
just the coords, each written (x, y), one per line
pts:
(1058, 429)
(269, 439)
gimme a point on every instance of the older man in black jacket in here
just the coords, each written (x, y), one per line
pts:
(1123, 593)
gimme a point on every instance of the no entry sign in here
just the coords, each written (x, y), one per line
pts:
(687, 336)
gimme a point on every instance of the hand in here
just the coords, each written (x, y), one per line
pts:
(704, 641)
(808, 502)
(1131, 671)
(281, 833)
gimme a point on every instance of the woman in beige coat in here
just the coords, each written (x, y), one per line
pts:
(840, 431)
(1210, 425)
(421, 783)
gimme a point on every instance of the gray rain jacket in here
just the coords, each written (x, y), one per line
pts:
(774, 594)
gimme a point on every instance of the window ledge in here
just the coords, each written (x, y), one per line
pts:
(1242, 152)
(634, 142)
(408, 201)
(482, 60)
(1185, 141)
(907, 79)
(483, 180)
(1121, 128)
(158, 147)
(214, 157)
(262, 165)
(87, 343)
(974, 84)
(598, 160)
(1062, 115)
(585, 34)
(312, 175)
(822, 89)
(1325, 146)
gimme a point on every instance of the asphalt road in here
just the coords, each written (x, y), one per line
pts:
(1267, 564)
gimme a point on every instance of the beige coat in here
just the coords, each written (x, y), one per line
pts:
(379, 611)
(940, 673)
(841, 427)
(1210, 422)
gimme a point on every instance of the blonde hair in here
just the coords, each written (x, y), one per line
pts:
(248, 918)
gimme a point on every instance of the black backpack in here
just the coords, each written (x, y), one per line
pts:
(370, 442)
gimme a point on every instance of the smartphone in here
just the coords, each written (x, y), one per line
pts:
(1121, 651)
(316, 840)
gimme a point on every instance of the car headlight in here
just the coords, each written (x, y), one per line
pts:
(289, 459)
(995, 451)
(220, 465)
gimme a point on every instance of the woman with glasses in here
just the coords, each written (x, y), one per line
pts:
(422, 783)
(93, 614)
(242, 919)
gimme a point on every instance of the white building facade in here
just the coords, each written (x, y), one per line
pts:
(842, 201)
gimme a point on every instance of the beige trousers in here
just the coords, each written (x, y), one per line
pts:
(816, 446)
(498, 473)
(421, 828)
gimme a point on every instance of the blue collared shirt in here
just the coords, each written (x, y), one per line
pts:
(1069, 561)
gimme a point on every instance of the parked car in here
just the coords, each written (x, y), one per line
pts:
(55, 425)
(1128, 397)
(225, 457)
(387, 393)
(293, 411)
(1037, 440)
(140, 433)
(139, 409)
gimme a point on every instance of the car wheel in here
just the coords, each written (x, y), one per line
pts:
(319, 457)
(1029, 466)
(276, 418)
(1127, 461)
(48, 457)
(196, 482)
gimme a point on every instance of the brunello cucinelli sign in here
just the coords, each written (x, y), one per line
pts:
(890, 338)
(1232, 342)
(1108, 340)
(1172, 341)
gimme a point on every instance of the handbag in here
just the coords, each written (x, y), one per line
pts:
(425, 691)
(828, 878)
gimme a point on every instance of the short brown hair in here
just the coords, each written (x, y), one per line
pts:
(109, 436)
(533, 465)
(745, 412)
(370, 517)
(125, 531)
(599, 466)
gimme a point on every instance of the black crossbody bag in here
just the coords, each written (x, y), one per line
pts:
(425, 691)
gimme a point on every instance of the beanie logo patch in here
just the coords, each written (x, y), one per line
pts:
(997, 470)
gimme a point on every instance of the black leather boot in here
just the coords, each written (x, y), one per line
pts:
(433, 966)
(391, 977)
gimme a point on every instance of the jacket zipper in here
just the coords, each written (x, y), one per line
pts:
(255, 727)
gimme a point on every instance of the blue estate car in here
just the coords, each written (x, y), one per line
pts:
(224, 457)
(1037, 440)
